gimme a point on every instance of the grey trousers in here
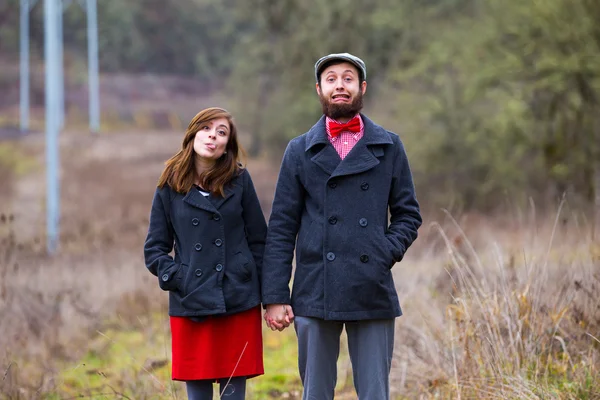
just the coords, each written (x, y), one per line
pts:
(370, 344)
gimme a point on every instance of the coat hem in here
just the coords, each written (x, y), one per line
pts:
(206, 313)
(346, 315)
(247, 376)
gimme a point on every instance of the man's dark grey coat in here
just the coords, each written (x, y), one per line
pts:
(334, 213)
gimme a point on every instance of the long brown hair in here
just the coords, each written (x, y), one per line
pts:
(180, 171)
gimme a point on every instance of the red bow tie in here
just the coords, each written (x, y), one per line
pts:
(336, 128)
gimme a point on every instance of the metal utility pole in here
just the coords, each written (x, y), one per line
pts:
(51, 50)
(61, 69)
(26, 6)
(90, 7)
(92, 34)
(55, 97)
(24, 66)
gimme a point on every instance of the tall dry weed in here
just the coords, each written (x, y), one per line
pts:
(517, 319)
(49, 307)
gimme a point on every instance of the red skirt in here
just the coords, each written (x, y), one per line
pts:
(217, 347)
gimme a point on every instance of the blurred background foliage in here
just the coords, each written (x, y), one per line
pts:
(496, 100)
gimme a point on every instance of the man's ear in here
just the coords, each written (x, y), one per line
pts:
(318, 88)
(363, 87)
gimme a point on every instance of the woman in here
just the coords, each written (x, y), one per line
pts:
(205, 208)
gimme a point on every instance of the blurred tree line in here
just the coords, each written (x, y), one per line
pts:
(496, 100)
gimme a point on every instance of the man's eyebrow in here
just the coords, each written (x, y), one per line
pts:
(333, 72)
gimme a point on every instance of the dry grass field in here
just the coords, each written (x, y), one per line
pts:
(495, 308)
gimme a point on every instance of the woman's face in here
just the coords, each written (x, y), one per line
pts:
(211, 140)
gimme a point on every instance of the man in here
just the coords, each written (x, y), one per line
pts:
(336, 185)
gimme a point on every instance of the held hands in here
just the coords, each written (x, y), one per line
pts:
(279, 316)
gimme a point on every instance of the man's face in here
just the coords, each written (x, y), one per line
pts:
(340, 92)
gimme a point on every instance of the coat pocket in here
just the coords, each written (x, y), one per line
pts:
(246, 266)
(382, 250)
(171, 280)
(309, 248)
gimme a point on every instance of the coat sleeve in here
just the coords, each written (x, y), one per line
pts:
(284, 223)
(405, 216)
(254, 222)
(159, 242)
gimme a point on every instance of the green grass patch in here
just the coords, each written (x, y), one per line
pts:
(125, 361)
(122, 362)
(281, 367)
(15, 160)
(135, 362)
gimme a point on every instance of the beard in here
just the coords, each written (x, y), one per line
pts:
(341, 110)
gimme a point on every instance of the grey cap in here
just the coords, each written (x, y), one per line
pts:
(357, 62)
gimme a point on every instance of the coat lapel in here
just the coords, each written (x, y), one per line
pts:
(359, 159)
(365, 154)
(327, 158)
(219, 201)
(195, 198)
(325, 155)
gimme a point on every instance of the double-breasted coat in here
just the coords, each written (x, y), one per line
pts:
(218, 248)
(334, 213)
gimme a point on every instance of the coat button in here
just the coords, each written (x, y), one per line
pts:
(218, 242)
(363, 222)
(219, 267)
(216, 217)
(195, 221)
(364, 186)
(364, 258)
(332, 220)
(165, 277)
(198, 246)
(198, 272)
(332, 185)
(330, 256)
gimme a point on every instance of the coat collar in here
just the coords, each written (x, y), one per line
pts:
(196, 199)
(361, 157)
(374, 134)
